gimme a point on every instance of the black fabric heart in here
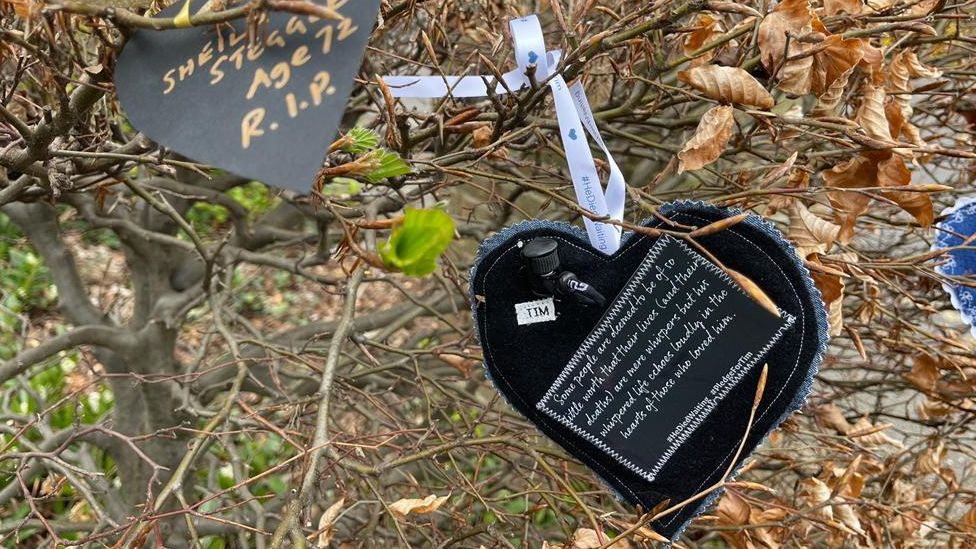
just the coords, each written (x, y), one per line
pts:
(524, 361)
(267, 112)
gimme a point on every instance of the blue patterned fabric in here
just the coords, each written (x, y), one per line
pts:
(959, 226)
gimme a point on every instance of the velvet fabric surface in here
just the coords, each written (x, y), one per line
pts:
(524, 360)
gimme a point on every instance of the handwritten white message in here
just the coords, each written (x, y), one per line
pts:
(675, 342)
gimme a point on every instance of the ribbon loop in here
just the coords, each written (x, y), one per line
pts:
(573, 114)
(530, 46)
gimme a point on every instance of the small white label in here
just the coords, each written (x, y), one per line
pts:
(530, 312)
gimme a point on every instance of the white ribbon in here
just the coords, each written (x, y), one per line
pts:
(572, 113)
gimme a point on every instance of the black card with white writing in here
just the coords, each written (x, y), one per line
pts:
(677, 339)
(266, 110)
(527, 345)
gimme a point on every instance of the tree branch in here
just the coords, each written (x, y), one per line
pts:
(104, 336)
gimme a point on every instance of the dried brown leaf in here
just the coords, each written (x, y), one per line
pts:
(402, 508)
(934, 409)
(851, 7)
(730, 84)
(799, 179)
(778, 171)
(968, 521)
(832, 291)
(903, 67)
(845, 514)
(849, 261)
(872, 62)
(52, 484)
(792, 17)
(898, 75)
(799, 76)
(930, 461)
(733, 510)
(747, 485)
(880, 5)
(706, 30)
(835, 62)
(459, 363)
(923, 8)
(873, 169)
(896, 118)
(588, 538)
(892, 172)
(871, 114)
(831, 416)
(808, 66)
(712, 135)
(327, 524)
(856, 340)
(482, 136)
(866, 434)
(809, 232)
(925, 373)
(815, 494)
(860, 171)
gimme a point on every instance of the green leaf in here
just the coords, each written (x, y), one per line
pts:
(414, 246)
(341, 186)
(387, 164)
(362, 140)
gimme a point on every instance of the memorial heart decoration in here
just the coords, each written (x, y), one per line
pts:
(653, 390)
(958, 229)
(640, 354)
(266, 110)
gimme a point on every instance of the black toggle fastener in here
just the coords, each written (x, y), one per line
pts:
(541, 258)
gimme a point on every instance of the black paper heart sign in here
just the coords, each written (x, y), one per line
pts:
(652, 391)
(267, 111)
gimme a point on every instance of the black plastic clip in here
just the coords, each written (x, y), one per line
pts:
(541, 258)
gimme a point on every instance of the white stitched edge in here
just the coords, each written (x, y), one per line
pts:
(651, 475)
